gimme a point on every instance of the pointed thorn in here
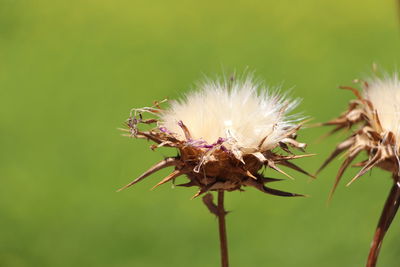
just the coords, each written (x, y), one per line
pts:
(248, 173)
(160, 165)
(339, 149)
(189, 184)
(201, 191)
(354, 90)
(269, 190)
(273, 166)
(376, 159)
(148, 135)
(280, 193)
(123, 129)
(296, 168)
(359, 164)
(171, 176)
(341, 171)
(270, 180)
(298, 156)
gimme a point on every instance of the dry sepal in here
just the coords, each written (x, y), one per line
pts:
(225, 133)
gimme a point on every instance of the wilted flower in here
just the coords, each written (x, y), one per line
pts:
(225, 133)
(376, 113)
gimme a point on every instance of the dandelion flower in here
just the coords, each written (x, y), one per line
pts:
(225, 132)
(376, 114)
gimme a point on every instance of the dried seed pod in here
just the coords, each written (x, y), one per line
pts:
(225, 133)
(375, 115)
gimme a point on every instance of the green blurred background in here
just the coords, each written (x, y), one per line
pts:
(70, 71)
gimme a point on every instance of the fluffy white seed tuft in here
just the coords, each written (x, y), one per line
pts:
(384, 93)
(243, 112)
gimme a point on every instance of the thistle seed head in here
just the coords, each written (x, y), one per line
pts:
(384, 94)
(225, 132)
(248, 118)
(375, 113)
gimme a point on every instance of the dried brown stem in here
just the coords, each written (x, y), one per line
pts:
(222, 230)
(388, 213)
(219, 211)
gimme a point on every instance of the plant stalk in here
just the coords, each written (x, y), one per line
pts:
(222, 230)
(388, 213)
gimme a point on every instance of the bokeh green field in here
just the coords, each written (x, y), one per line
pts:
(70, 71)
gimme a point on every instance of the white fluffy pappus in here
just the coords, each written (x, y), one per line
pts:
(244, 112)
(384, 94)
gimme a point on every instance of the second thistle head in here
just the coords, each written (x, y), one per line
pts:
(225, 132)
(376, 114)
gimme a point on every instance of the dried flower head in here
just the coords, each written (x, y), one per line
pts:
(376, 114)
(225, 133)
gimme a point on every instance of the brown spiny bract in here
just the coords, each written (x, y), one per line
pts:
(224, 133)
